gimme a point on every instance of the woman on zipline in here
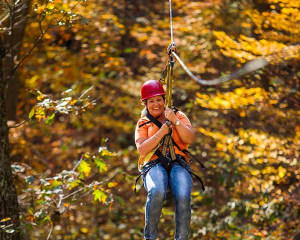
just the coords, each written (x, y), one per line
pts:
(159, 175)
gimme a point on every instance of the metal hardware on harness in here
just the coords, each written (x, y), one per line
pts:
(168, 166)
(171, 48)
(167, 140)
(166, 160)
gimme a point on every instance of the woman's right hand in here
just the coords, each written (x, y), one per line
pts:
(165, 129)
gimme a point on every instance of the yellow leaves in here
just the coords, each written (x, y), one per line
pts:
(84, 230)
(32, 82)
(246, 25)
(40, 9)
(39, 113)
(269, 170)
(40, 97)
(281, 172)
(51, 6)
(220, 147)
(5, 219)
(253, 140)
(112, 184)
(260, 160)
(74, 184)
(108, 16)
(290, 11)
(55, 183)
(99, 196)
(246, 48)
(282, 20)
(73, 102)
(86, 155)
(254, 172)
(167, 212)
(84, 168)
(240, 97)
(242, 133)
(215, 135)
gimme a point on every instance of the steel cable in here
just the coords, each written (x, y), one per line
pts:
(171, 20)
(247, 68)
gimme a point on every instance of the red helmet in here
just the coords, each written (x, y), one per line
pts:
(152, 88)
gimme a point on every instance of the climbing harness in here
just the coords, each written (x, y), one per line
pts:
(167, 159)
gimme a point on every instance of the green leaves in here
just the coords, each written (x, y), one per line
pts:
(31, 114)
(47, 108)
(101, 165)
(50, 119)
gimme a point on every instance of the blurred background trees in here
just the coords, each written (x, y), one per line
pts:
(74, 159)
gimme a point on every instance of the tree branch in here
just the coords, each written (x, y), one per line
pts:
(50, 232)
(18, 125)
(37, 41)
(4, 18)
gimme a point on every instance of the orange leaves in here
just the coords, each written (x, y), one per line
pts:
(148, 54)
(297, 130)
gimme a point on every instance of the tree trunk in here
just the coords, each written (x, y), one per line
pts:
(16, 23)
(13, 19)
(9, 209)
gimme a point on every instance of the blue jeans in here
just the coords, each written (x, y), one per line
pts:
(156, 183)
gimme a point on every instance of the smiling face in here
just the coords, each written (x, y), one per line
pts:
(156, 105)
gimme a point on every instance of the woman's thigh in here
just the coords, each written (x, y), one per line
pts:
(156, 179)
(180, 181)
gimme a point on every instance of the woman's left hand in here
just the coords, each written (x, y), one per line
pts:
(170, 115)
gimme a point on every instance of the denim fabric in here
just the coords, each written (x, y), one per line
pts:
(156, 183)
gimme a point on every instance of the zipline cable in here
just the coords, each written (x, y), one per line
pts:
(171, 20)
(247, 68)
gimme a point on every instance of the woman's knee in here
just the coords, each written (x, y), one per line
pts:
(157, 194)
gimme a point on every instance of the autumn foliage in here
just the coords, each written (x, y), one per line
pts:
(74, 159)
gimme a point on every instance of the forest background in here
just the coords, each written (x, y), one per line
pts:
(71, 72)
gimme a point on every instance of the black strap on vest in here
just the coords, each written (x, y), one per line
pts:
(165, 160)
(159, 124)
(144, 123)
(153, 119)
